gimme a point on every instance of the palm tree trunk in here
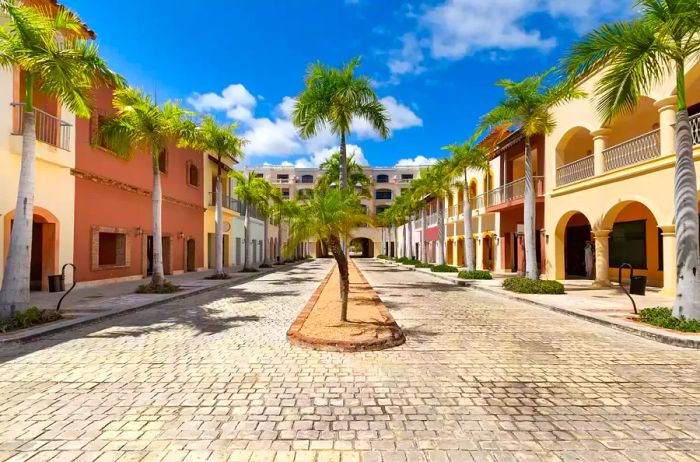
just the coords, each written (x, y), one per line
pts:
(469, 257)
(266, 245)
(403, 242)
(246, 239)
(424, 244)
(344, 274)
(687, 301)
(531, 270)
(158, 276)
(410, 236)
(14, 295)
(343, 163)
(396, 241)
(440, 257)
(279, 240)
(218, 227)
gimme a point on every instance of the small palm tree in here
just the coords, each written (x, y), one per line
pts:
(252, 191)
(222, 141)
(333, 98)
(284, 212)
(466, 157)
(355, 173)
(633, 57)
(436, 181)
(330, 216)
(50, 50)
(419, 189)
(141, 125)
(527, 106)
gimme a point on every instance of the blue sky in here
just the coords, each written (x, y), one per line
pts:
(433, 62)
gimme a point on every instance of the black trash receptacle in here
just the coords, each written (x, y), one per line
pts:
(56, 283)
(638, 285)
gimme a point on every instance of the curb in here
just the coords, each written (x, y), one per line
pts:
(59, 326)
(670, 338)
(297, 338)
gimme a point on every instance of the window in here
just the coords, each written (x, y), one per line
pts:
(192, 174)
(110, 248)
(628, 244)
(285, 193)
(407, 176)
(259, 175)
(382, 178)
(383, 194)
(381, 208)
(283, 178)
(308, 179)
(163, 161)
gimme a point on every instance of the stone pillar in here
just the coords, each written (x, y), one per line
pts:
(600, 143)
(602, 258)
(667, 120)
(520, 242)
(668, 235)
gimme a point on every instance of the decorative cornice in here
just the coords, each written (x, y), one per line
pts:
(111, 182)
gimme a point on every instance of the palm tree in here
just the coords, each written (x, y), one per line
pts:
(284, 212)
(266, 208)
(141, 125)
(333, 99)
(466, 157)
(252, 191)
(330, 215)
(420, 188)
(222, 141)
(54, 58)
(527, 106)
(436, 181)
(633, 57)
(355, 173)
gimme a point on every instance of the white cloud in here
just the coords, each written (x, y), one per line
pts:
(417, 161)
(407, 59)
(235, 100)
(401, 117)
(318, 157)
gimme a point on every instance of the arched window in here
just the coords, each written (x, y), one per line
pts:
(383, 194)
(192, 172)
(308, 179)
(382, 178)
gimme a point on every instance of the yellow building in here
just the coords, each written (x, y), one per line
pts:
(613, 185)
(54, 188)
(230, 208)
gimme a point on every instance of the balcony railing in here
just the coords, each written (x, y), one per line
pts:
(632, 152)
(478, 202)
(453, 211)
(404, 180)
(513, 191)
(695, 128)
(227, 202)
(282, 181)
(418, 223)
(432, 219)
(49, 128)
(575, 171)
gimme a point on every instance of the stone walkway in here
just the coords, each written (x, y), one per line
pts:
(480, 378)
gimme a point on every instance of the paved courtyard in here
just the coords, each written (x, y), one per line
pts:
(480, 378)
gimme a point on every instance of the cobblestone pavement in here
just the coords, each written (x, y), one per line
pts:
(480, 378)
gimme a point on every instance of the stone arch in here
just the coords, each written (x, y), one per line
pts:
(643, 119)
(576, 144)
(560, 240)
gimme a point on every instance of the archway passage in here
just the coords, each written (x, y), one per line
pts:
(487, 252)
(361, 247)
(577, 235)
(191, 253)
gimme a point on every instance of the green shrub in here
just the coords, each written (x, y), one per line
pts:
(407, 261)
(444, 269)
(32, 317)
(423, 265)
(218, 277)
(166, 288)
(663, 317)
(474, 275)
(382, 257)
(533, 286)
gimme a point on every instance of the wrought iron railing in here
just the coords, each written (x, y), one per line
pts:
(575, 171)
(513, 191)
(227, 202)
(282, 181)
(634, 151)
(49, 128)
(478, 202)
(695, 128)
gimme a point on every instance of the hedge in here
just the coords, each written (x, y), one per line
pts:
(533, 286)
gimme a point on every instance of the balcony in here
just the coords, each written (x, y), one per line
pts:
(478, 202)
(227, 202)
(282, 181)
(404, 180)
(432, 219)
(49, 128)
(695, 129)
(575, 171)
(514, 191)
(634, 151)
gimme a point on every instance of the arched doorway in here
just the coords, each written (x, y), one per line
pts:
(361, 247)
(191, 253)
(577, 235)
(487, 251)
(460, 252)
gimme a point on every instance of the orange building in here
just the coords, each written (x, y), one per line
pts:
(113, 211)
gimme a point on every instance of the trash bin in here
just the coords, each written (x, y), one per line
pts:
(638, 285)
(56, 283)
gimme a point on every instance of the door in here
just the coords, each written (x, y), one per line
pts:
(191, 248)
(37, 261)
(149, 255)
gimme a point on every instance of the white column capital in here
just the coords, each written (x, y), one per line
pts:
(601, 133)
(601, 233)
(668, 230)
(666, 104)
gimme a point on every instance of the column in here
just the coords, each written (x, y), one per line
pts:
(602, 258)
(670, 266)
(520, 242)
(667, 119)
(600, 143)
(455, 244)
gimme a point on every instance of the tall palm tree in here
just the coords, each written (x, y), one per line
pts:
(633, 57)
(466, 157)
(55, 57)
(420, 189)
(527, 106)
(252, 191)
(437, 182)
(266, 207)
(141, 125)
(222, 142)
(333, 99)
(284, 212)
(330, 215)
